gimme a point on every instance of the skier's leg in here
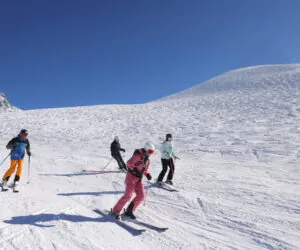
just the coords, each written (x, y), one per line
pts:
(171, 171)
(140, 195)
(164, 163)
(119, 160)
(11, 170)
(123, 163)
(19, 170)
(127, 195)
(114, 156)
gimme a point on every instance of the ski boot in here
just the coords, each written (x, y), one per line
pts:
(170, 182)
(15, 187)
(116, 215)
(4, 185)
(128, 213)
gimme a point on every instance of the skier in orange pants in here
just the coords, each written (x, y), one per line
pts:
(18, 146)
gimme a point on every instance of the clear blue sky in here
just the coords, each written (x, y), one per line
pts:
(59, 53)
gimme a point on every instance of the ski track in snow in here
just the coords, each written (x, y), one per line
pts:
(238, 138)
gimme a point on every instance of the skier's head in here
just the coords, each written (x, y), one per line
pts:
(168, 137)
(149, 148)
(116, 138)
(24, 133)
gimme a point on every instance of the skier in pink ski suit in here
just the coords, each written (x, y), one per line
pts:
(138, 166)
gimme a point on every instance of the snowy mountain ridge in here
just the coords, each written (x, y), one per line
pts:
(238, 177)
(5, 105)
(250, 79)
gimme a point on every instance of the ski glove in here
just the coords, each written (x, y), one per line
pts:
(149, 177)
(10, 146)
(137, 173)
(123, 150)
(29, 153)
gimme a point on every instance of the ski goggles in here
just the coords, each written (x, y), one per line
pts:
(150, 151)
(24, 135)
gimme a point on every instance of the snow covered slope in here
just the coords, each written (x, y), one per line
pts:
(238, 138)
(5, 105)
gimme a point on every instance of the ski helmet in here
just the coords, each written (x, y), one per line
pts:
(24, 131)
(149, 147)
(116, 138)
(168, 137)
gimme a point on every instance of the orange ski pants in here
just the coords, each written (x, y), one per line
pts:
(11, 170)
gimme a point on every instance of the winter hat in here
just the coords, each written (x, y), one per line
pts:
(24, 131)
(168, 136)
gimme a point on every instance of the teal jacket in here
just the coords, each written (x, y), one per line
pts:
(167, 150)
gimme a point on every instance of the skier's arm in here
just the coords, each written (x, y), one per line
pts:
(28, 149)
(117, 147)
(11, 144)
(146, 172)
(174, 154)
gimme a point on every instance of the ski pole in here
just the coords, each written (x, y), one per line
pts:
(5, 159)
(146, 197)
(28, 180)
(108, 163)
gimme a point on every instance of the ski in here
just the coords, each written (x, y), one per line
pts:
(167, 188)
(102, 171)
(146, 224)
(164, 187)
(131, 229)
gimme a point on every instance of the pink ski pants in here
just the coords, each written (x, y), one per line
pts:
(133, 184)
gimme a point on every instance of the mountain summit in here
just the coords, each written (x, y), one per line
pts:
(4, 104)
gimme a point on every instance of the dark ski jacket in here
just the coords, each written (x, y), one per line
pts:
(18, 146)
(115, 148)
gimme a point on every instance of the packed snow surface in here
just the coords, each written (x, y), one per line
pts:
(238, 138)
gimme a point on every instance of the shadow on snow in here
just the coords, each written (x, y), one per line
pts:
(39, 219)
(43, 220)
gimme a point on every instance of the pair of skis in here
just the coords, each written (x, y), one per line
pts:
(163, 186)
(14, 188)
(126, 224)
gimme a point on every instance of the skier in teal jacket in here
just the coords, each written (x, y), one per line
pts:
(167, 160)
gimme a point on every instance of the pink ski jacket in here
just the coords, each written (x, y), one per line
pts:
(137, 161)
